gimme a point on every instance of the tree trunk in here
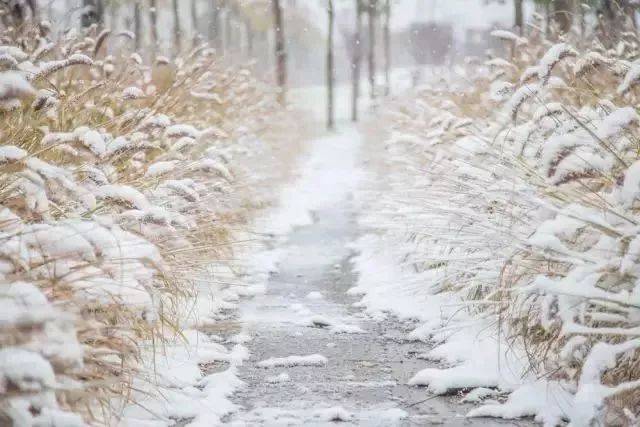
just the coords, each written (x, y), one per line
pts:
(330, 68)
(228, 30)
(371, 11)
(153, 20)
(582, 22)
(137, 22)
(630, 10)
(547, 19)
(519, 16)
(93, 12)
(250, 37)
(280, 51)
(616, 16)
(177, 30)
(113, 16)
(194, 22)
(563, 14)
(214, 25)
(35, 11)
(356, 62)
(21, 12)
(387, 48)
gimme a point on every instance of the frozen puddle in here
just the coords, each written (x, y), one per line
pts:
(316, 359)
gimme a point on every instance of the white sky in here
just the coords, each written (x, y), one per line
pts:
(461, 14)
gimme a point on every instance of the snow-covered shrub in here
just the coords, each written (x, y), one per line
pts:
(516, 207)
(117, 191)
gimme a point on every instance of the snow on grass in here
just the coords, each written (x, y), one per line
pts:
(14, 85)
(94, 235)
(478, 394)
(346, 329)
(476, 360)
(203, 405)
(547, 401)
(303, 310)
(326, 176)
(241, 338)
(291, 361)
(283, 377)
(315, 295)
(335, 326)
(448, 238)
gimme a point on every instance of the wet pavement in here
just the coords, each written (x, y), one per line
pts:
(361, 365)
(364, 379)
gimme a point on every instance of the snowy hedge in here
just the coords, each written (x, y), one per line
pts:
(514, 223)
(119, 184)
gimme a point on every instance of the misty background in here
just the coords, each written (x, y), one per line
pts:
(423, 33)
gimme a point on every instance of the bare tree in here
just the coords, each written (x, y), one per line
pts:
(356, 61)
(547, 19)
(563, 14)
(387, 47)
(615, 17)
(92, 13)
(280, 50)
(21, 11)
(250, 36)
(214, 24)
(372, 12)
(113, 15)
(330, 67)
(177, 30)
(228, 28)
(153, 20)
(519, 16)
(137, 24)
(194, 21)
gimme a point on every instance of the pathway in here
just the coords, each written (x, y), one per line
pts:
(315, 357)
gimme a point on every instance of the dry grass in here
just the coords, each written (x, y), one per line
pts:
(189, 226)
(490, 189)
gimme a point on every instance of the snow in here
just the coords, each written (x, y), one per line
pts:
(334, 414)
(291, 361)
(477, 361)
(553, 55)
(590, 60)
(314, 296)
(326, 415)
(47, 68)
(180, 130)
(508, 35)
(346, 329)
(464, 221)
(325, 176)
(548, 402)
(161, 168)
(92, 140)
(11, 153)
(631, 78)
(24, 370)
(133, 92)
(14, 85)
(123, 194)
(14, 51)
(210, 165)
(478, 394)
(283, 377)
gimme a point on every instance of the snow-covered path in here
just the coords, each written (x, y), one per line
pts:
(315, 357)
